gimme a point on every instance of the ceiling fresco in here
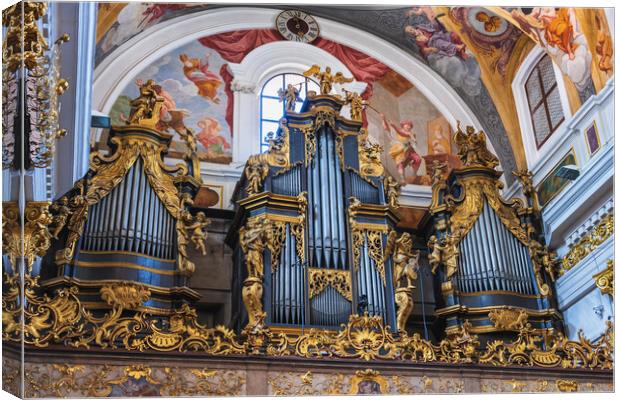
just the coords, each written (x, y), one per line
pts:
(476, 50)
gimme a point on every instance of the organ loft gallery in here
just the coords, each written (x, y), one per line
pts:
(228, 199)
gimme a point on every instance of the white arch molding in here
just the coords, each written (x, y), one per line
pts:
(120, 67)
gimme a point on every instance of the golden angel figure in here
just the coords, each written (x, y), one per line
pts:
(326, 79)
(199, 232)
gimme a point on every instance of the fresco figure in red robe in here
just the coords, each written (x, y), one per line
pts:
(197, 71)
(403, 150)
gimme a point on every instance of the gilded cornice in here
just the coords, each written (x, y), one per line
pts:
(605, 279)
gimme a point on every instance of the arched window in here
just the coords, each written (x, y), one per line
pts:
(543, 98)
(272, 109)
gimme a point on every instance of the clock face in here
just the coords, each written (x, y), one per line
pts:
(297, 26)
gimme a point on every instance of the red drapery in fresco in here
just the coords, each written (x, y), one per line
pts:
(234, 46)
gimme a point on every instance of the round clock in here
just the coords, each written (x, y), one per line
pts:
(297, 26)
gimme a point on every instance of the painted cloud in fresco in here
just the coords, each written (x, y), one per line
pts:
(194, 91)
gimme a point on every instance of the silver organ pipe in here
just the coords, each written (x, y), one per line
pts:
(145, 227)
(326, 208)
(288, 284)
(492, 258)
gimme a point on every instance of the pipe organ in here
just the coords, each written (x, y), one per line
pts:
(488, 253)
(128, 220)
(312, 225)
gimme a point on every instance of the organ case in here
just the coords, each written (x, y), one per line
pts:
(311, 226)
(494, 271)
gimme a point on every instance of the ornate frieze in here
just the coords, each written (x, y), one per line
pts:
(508, 319)
(62, 319)
(599, 234)
(46, 379)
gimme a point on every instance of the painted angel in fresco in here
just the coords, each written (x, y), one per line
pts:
(209, 136)
(206, 81)
(432, 38)
(403, 149)
(556, 24)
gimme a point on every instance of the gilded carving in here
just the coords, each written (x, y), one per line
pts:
(84, 380)
(62, 319)
(35, 236)
(369, 156)
(392, 191)
(254, 238)
(356, 103)
(255, 172)
(525, 178)
(199, 232)
(310, 145)
(472, 148)
(605, 279)
(542, 258)
(444, 251)
(588, 243)
(565, 385)
(319, 279)
(509, 318)
(438, 172)
(24, 41)
(145, 109)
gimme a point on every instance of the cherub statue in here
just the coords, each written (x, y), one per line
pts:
(392, 189)
(450, 255)
(143, 106)
(290, 96)
(62, 215)
(199, 232)
(357, 104)
(436, 247)
(472, 148)
(438, 171)
(326, 79)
